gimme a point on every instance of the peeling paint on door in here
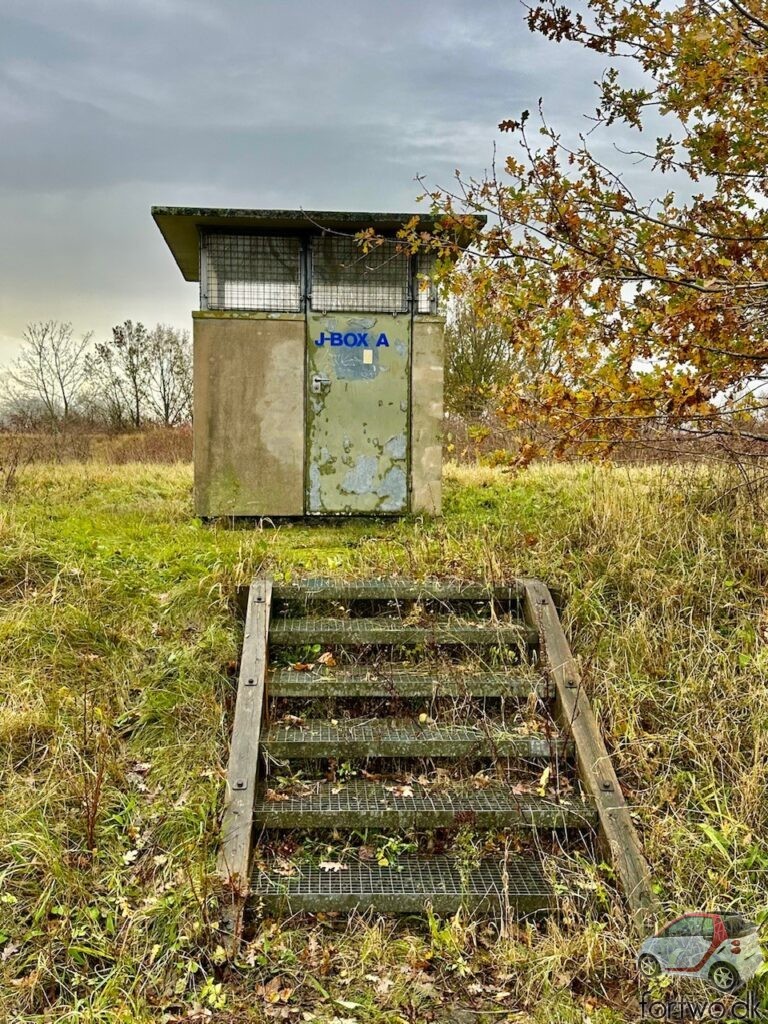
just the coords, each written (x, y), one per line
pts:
(357, 413)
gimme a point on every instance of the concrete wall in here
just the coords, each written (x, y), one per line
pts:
(249, 414)
(427, 415)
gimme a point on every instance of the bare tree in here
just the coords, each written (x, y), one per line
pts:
(169, 374)
(481, 357)
(120, 374)
(142, 376)
(107, 404)
(51, 372)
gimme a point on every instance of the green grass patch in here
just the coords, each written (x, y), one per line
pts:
(118, 636)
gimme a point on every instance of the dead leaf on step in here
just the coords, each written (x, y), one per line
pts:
(277, 991)
(303, 666)
(327, 659)
(332, 865)
(284, 867)
(381, 776)
(294, 790)
(273, 797)
(400, 790)
(366, 853)
(541, 789)
(293, 720)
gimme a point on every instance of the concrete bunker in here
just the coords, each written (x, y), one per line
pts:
(318, 368)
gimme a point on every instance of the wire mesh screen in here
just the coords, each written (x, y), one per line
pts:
(251, 272)
(426, 291)
(346, 278)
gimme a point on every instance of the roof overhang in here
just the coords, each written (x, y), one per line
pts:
(180, 226)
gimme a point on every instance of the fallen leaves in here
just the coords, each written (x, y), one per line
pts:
(400, 790)
(288, 790)
(326, 659)
(379, 776)
(332, 865)
(294, 720)
(277, 990)
(272, 796)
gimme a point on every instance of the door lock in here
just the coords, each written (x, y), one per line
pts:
(320, 384)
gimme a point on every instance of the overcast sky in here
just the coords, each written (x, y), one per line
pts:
(110, 106)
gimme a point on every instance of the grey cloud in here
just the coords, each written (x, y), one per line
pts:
(107, 106)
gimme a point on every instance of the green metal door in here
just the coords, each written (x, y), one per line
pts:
(357, 412)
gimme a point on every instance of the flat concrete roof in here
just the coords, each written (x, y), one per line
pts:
(180, 226)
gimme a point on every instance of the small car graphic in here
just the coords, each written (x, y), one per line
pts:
(723, 949)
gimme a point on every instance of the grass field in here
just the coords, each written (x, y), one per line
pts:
(118, 640)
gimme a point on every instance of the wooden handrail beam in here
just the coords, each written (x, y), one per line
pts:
(575, 716)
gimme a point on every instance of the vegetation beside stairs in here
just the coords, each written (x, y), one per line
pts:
(117, 655)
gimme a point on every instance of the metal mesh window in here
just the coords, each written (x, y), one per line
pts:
(346, 278)
(251, 272)
(426, 290)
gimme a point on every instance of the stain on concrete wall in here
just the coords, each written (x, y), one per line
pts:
(427, 416)
(249, 416)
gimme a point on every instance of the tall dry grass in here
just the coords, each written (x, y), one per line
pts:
(117, 638)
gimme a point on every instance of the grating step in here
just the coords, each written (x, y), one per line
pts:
(359, 632)
(384, 682)
(356, 738)
(405, 888)
(359, 804)
(393, 589)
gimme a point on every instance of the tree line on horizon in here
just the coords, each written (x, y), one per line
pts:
(139, 376)
(143, 376)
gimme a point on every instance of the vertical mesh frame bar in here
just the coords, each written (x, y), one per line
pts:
(425, 290)
(344, 278)
(251, 272)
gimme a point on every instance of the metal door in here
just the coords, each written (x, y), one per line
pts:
(358, 370)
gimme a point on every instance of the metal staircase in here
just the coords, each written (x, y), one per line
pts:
(449, 707)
